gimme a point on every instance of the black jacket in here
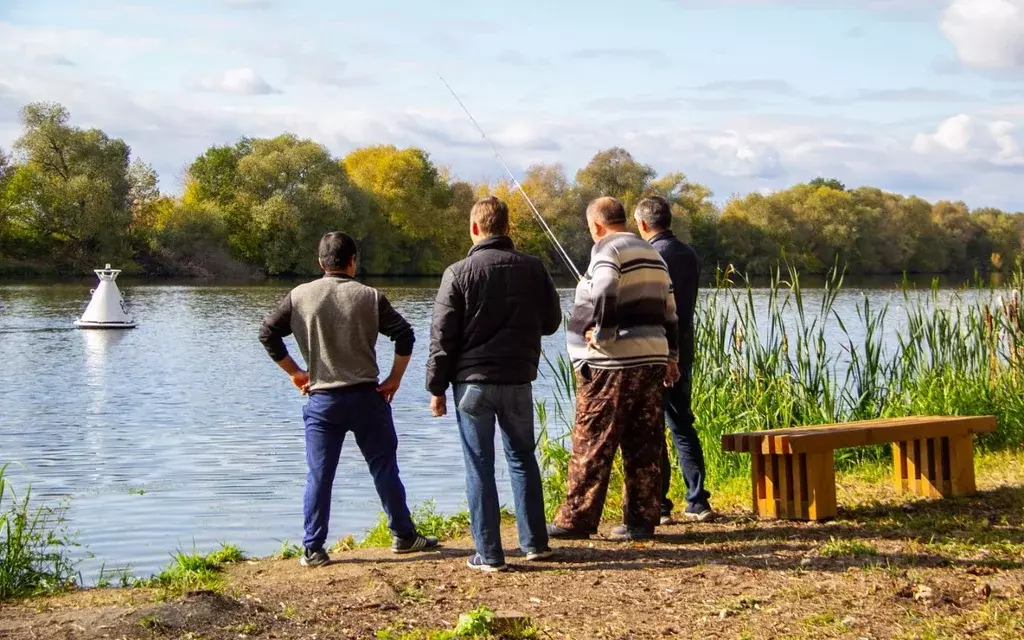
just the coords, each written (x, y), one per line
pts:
(489, 316)
(684, 269)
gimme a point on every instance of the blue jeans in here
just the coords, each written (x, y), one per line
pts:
(478, 406)
(691, 453)
(329, 416)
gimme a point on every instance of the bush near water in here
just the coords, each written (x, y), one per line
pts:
(73, 198)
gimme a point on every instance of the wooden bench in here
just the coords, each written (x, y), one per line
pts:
(792, 470)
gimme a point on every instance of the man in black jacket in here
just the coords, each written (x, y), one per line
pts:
(654, 218)
(491, 311)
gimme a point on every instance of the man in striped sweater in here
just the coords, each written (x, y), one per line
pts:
(623, 343)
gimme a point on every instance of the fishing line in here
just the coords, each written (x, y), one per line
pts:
(551, 235)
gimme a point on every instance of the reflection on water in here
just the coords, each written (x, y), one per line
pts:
(182, 431)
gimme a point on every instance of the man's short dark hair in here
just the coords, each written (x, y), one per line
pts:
(491, 216)
(337, 250)
(608, 210)
(656, 212)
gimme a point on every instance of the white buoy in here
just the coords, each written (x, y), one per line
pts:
(106, 310)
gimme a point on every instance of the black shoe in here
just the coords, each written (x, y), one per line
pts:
(699, 512)
(413, 544)
(555, 531)
(312, 559)
(622, 533)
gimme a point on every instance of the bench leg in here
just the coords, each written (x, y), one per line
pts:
(793, 486)
(934, 467)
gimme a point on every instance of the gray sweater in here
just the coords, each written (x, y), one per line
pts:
(335, 321)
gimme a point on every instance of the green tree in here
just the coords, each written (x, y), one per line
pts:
(143, 197)
(408, 193)
(615, 173)
(276, 198)
(77, 182)
(830, 183)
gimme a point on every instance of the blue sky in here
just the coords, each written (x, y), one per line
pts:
(917, 96)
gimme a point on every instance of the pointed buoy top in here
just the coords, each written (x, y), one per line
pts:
(107, 274)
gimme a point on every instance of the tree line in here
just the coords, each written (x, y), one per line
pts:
(74, 198)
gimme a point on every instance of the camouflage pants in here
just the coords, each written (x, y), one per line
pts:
(616, 407)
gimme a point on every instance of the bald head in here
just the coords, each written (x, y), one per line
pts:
(605, 216)
(607, 211)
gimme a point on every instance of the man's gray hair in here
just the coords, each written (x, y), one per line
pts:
(656, 212)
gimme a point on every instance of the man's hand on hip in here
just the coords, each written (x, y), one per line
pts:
(389, 387)
(439, 406)
(301, 381)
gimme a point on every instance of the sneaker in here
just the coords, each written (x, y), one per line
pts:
(699, 512)
(316, 558)
(555, 531)
(622, 533)
(413, 544)
(476, 562)
(666, 520)
(537, 556)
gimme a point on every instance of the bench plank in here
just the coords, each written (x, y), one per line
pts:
(793, 473)
(854, 434)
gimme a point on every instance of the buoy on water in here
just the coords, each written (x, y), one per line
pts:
(106, 310)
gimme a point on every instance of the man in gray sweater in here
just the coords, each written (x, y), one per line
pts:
(335, 321)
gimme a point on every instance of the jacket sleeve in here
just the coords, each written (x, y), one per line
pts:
(552, 305)
(672, 324)
(276, 327)
(445, 334)
(394, 326)
(605, 291)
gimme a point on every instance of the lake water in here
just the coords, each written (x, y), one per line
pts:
(183, 432)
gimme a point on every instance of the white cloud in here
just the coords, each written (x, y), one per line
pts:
(242, 81)
(987, 34)
(967, 139)
(954, 134)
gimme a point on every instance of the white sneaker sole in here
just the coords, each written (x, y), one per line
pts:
(707, 516)
(486, 568)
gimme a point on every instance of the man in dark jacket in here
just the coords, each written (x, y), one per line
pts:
(654, 218)
(491, 311)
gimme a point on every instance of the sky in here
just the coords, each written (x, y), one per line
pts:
(922, 97)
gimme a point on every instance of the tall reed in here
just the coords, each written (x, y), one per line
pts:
(35, 547)
(784, 355)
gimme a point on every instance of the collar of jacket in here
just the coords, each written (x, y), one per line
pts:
(339, 276)
(663, 235)
(503, 243)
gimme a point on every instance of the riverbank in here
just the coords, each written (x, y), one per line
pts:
(886, 568)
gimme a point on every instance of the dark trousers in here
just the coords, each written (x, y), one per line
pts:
(329, 416)
(691, 454)
(615, 408)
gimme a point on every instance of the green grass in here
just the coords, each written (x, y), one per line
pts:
(479, 623)
(36, 550)
(429, 522)
(194, 571)
(841, 548)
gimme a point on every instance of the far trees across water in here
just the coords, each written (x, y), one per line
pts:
(72, 198)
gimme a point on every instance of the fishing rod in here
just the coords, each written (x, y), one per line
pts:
(551, 235)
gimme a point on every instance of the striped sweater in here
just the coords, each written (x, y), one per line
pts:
(626, 298)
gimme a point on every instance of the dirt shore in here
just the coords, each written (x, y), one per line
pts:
(889, 569)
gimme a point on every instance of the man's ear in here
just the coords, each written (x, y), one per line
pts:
(352, 263)
(474, 228)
